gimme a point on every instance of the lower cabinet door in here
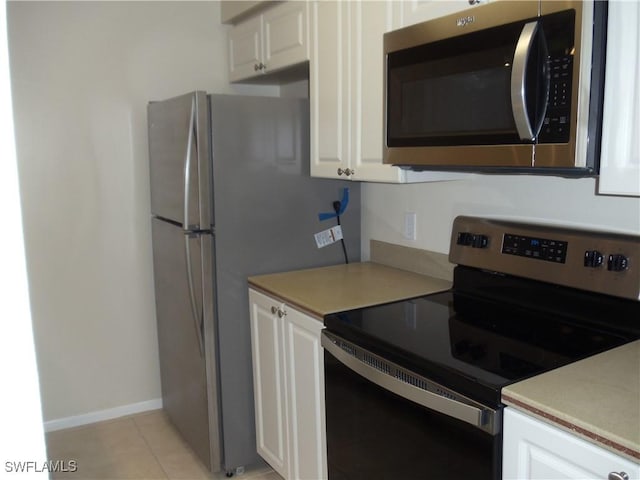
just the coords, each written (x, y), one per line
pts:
(535, 450)
(305, 379)
(269, 387)
(288, 384)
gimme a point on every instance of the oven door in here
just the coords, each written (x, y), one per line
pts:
(386, 422)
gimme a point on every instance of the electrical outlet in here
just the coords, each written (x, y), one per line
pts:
(410, 225)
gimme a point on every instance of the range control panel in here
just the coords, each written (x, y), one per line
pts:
(597, 261)
(534, 247)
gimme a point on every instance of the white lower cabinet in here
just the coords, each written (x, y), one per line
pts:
(288, 381)
(535, 450)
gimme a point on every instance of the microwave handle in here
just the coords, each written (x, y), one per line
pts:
(518, 83)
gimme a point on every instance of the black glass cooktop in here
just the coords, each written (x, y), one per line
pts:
(476, 344)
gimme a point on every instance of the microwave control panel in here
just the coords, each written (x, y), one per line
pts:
(555, 127)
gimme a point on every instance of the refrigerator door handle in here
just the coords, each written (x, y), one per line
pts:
(196, 315)
(187, 164)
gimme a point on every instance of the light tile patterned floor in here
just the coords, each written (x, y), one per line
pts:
(137, 447)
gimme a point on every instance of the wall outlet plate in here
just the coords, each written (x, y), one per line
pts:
(410, 225)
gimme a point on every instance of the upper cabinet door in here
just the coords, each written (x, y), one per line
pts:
(285, 35)
(275, 39)
(245, 49)
(369, 21)
(620, 151)
(328, 89)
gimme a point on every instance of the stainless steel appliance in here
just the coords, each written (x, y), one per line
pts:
(506, 85)
(231, 197)
(413, 388)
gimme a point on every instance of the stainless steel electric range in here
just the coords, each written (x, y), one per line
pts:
(413, 387)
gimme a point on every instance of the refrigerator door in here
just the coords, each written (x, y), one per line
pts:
(183, 276)
(179, 160)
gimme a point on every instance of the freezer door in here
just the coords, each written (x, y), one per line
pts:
(179, 160)
(182, 264)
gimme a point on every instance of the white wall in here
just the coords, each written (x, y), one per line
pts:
(82, 75)
(21, 435)
(540, 199)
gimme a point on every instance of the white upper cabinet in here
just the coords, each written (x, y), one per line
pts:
(620, 151)
(265, 43)
(328, 95)
(346, 72)
(416, 11)
(368, 22)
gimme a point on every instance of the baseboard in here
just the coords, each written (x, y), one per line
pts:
(101, 415)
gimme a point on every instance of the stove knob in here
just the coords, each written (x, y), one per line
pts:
(480, 241)
(593, 258)
(464, 238)
(617, 263)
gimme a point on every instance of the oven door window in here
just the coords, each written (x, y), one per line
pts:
(375, 434)
(458, 91)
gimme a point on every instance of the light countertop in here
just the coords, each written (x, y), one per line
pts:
(597, 398)
(320, 291)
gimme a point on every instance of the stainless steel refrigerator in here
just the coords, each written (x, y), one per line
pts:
(231, 197)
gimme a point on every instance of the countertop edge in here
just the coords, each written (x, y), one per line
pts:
(595, 438)
(317, 315)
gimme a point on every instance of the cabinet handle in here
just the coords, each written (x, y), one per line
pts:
(274, 310)
(283, 313)
(618, 476)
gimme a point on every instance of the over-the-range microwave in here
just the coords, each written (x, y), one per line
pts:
(509, 86)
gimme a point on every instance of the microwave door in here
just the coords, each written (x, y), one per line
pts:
(530, 82)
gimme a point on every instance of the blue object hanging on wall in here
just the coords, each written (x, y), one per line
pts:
(343, 206)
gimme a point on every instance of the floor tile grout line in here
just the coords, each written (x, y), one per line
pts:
(144, 438)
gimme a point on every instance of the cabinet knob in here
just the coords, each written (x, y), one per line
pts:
(474, 2)
(346, 171)
(274, 310)
(618, 476)
(259, 66)
(283, 313)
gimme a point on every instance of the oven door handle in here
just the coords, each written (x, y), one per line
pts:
(386, 376)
